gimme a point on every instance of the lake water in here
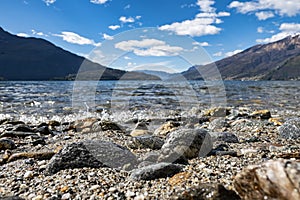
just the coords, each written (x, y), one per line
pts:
(120, 100)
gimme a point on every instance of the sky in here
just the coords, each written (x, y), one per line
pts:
(167, 35)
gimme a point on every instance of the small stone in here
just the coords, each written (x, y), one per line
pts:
(43, 162)
(23, 128)
(94, 154)
(7, 144)
(224, 137)
(28, 175)
(112, 189)
(139, 197)
(271, 180)
(94, 187)
(12, 198)
(146, 141)
(261, 114)
(206, 192)
(190, 143)
(217, 112)
(40, 141)
(179, 178)
(36, 155)
(276, 121)
(39, 197)
(130, 194)
(290, 129)
(54, 123)
(155, 171)
(64, 189)
(66, 196)
(139, 132)
(44, 130)
(166, 128)
(218, 124)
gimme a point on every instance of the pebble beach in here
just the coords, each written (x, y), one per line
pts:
(35, 158)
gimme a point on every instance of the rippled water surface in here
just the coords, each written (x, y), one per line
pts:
(50, 100)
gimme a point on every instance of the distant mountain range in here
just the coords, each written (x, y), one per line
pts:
(37, 59)
(274, 61)
(162, 75)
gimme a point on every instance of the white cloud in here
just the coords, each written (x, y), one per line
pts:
(127, 58)
(34, 32)
(286, 29)
(98, 1)
(127, 7)
(127, 20)
(218, 54)
(260, 29)
(206, 6)
(290, 27)
(280, 7)
(23, 35)
(196, 27)
(264, 15)
(107, 37)
(138, 17)
(74, 38)
(203, 23)
(203, 44)
(231, 53)
(228, 54)
(114, 27)
(49, 2)
(149, 47)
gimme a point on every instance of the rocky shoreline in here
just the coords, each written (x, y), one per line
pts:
(223, 153)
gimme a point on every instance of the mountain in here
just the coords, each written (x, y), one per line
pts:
(161, 74)
(37, 59)
(274, 61)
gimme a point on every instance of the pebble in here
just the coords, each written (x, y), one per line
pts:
(66, 196)
(28, 175)
(130, 194)
(39, 197)
(94, 187)
(87, 182)
(112, 189)
(7, 144)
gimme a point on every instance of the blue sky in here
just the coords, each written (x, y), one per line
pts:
(150, 32)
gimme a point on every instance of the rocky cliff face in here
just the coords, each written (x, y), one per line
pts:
(275, 61)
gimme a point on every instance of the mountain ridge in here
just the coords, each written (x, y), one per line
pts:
(38, 59)
(278, 60)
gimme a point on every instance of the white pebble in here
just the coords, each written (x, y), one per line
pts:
(129, 194)
(66, 196)
(139, 197)
(112, 189)
(39, 197)
(43, 162)
(28, 174)
(94, 187)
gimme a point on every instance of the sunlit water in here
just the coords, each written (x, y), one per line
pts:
(41, 101)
